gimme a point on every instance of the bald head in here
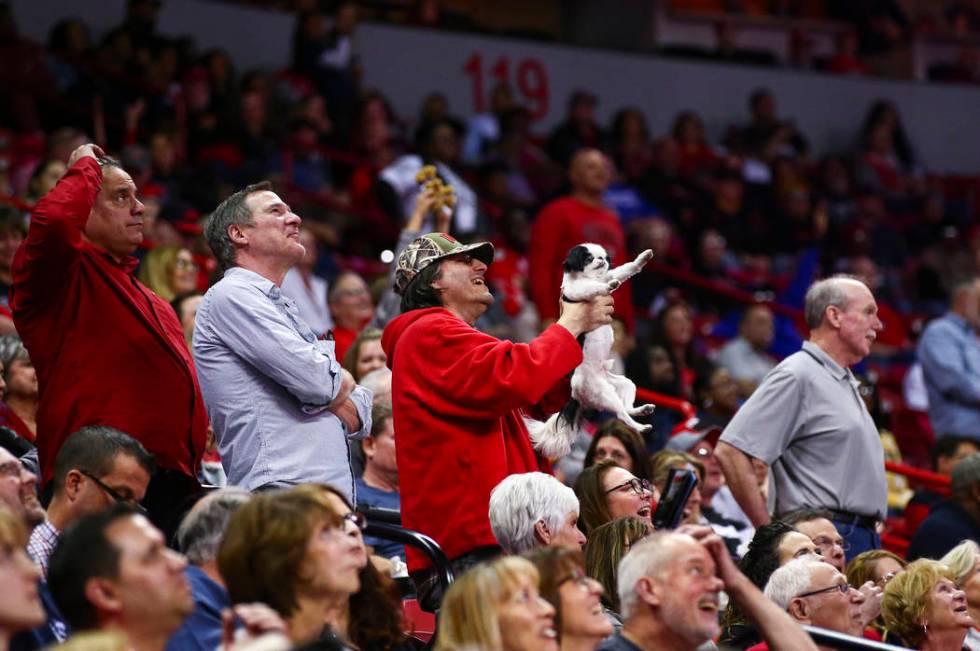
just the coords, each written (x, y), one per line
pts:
(589, 172)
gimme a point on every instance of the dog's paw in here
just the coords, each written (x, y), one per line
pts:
(644, 429)
(644, 257)
(646, 410)
(613, 285)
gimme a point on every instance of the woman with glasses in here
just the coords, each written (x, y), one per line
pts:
(20, 606)
(369, 619)
(168, 271)
(579, 614)
(924, 610)
(496, 606)
(875, 567)
(964, 562)
(607, 491)
(297, 551)
(606, 547)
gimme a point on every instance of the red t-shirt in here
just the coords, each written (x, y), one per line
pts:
(560, 225)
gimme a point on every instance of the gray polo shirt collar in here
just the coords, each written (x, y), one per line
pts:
(837, 371)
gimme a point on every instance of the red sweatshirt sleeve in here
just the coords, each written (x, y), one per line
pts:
(545, 262)
(54, 239)
(476, 376)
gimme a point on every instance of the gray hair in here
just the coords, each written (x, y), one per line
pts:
(202, 529)
(379, 382)
(12, 349)
(521, 501)
(233, 211)
(791, 580)
(650, 557)
(824, 293)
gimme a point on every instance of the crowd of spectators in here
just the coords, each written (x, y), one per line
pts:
(753, 216)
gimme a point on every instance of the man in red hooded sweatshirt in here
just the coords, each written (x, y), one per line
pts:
(107, 350)
(458, 395)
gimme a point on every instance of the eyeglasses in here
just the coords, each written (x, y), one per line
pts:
(638, 486)
(883, 581)
(111, 492)
(823, 544)
(578, 576)
(355, 518)
(185, 264)
(843, 588)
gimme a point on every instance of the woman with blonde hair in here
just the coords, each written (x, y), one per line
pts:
(168, 271)
(496, 606)
(964, 562)
(923, 608)
(576, 597)
(606, 547)
(20, 605)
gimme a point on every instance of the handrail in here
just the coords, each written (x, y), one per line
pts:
(670, 402)
(378, 524)
(939, 483)
(827, 637)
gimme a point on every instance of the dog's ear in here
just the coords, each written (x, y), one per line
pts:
(577, 259)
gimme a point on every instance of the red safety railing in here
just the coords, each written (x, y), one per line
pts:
(670, 402)
(936, 482)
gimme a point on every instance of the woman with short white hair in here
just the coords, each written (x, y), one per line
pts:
(533, 509)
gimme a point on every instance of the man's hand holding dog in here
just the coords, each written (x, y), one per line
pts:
(579, 318)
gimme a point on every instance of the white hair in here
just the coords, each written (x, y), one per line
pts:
(824, 293)
(379, 382)
(792, 580)
(521, 501)
(649, 557)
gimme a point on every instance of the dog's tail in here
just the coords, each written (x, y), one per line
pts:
(554, 437)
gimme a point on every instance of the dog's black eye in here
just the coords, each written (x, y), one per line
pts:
(588, 258)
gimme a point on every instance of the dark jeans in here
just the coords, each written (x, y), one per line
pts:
(427, 586)
(169, 496)
(859, 539)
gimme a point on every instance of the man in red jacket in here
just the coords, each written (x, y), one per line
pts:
(107, 350)
(458, 397)
(567, 221)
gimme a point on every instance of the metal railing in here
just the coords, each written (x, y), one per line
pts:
(833, 639)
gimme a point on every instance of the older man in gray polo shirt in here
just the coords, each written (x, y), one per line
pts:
(808, 423)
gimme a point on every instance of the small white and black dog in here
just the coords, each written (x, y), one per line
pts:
(594, 385)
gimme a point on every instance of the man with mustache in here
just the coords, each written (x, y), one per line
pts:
(100, 341)
(281, 405)
(808, 423)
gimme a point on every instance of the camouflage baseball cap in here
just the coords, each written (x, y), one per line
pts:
(425, 250)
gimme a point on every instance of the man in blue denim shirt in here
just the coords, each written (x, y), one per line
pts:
(281, 405)
(950, 356)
